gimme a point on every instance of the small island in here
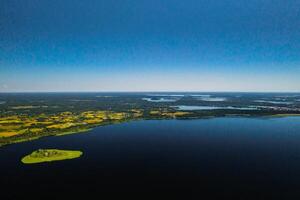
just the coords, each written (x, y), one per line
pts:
(49, 155)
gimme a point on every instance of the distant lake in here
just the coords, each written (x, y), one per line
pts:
(244, 158)
(166, 95)
(174, 98)
(183, 107)
(200, 95)
(214, 99)
(160, 99)
(273, 102)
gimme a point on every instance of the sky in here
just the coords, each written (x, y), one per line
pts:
(149, 45)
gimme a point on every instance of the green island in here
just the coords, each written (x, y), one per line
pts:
(49, 155)
(27, 117)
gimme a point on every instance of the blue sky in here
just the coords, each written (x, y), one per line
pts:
(141, 45)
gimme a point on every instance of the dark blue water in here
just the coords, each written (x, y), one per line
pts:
(240, 158)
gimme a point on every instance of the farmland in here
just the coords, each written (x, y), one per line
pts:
(25, 117)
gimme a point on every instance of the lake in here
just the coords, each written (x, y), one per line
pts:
(189, 108)
(160, 100)
(238, 158)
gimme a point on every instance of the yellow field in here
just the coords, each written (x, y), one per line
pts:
(61, 126)
(12, 133)
(116, 116)
(175, 114)
(36, 130)
(154, 112)
(9, 127)
(9, 121)
(137, 113)
(168, 114)
(59, 123)
(8, 134)
(93, 121)
(45, 123)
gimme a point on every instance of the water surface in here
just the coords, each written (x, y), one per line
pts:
(236, 158)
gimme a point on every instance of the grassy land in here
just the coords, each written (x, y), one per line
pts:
(21, 128)
(49, 155)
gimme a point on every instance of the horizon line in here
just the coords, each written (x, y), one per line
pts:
(217, 91)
